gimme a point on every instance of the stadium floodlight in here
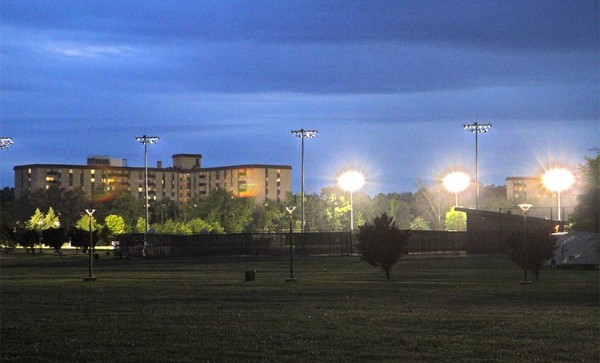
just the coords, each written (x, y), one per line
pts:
(303, 134)
(456, 182)
(5, 142)
(558, 180)
(351, 181)
(477, 129)
(146, 140)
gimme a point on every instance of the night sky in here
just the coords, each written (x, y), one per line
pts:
(388, 85)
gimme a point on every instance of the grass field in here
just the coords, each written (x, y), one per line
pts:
(452, 309)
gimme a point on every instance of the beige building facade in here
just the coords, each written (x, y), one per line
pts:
(184, 180)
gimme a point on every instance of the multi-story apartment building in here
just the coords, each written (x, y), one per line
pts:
(185, 179)
(524, 188)
(529, 189)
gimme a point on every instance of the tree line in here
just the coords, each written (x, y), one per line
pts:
(431, 207)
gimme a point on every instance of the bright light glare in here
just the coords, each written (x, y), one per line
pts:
(558, 180)
(351, 180)
(456, 182)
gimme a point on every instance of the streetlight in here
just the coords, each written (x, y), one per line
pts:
(525, 207)
(558, 180)
(146, 140)
(477, 128)
(5, 142)
(456, 182)
(351, 181)
(304, 134)
(90, 276)
(290, 211)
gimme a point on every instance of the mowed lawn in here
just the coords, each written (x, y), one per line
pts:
(435, 308)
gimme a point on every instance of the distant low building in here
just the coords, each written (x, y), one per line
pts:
(185, 179)
(488, 231)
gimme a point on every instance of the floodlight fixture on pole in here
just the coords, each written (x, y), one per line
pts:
(558, 180)
(477, 128)
(456, 182)
(146, 140)
(5, 142)
(90, 276)
(351, 181)
(303, 134)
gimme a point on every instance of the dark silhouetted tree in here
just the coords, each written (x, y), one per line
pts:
(530, 252)
(586, 216)
(381, 243)
(54, 237)
(27, 238)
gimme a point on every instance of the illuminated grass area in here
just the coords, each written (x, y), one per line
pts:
(467, 309)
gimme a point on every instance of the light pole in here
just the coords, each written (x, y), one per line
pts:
(146, 140)
(525, 207)
(456, 182)
(90, 276)
(290, 211)
(558, 180)
(304, 134)
(351, 181)
(477, 128)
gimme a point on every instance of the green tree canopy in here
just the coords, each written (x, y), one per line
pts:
(234, 214)
(115, 224)
(40, 221)
(420, 224)
(84, 223)
(455, 220)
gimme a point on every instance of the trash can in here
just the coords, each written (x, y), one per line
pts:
(250, 276)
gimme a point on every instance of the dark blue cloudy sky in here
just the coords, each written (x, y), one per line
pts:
(388, 84)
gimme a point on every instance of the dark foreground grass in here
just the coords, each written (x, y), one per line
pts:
(453, 309)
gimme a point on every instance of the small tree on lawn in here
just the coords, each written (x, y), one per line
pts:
(381, 243)
(54, 237)
(531, 251)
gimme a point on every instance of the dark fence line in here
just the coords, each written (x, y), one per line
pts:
(278, 244)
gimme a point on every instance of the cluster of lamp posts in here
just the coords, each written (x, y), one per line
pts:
(555, 180)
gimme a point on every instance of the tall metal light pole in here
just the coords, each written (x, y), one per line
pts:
(477, 128)
(525, 207)
(304, 134)
(290, 211)
(146, 140)
(90, 276)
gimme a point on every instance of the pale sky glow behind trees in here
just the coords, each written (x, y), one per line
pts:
(388, 84)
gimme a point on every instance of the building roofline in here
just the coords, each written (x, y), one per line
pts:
(79, 166)
(187, 155)
(248, 166)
